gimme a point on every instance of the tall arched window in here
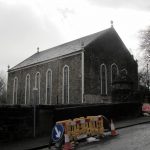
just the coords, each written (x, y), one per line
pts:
(114, 72)
(15, 90)
(103, 75)
(27, 89)
(48, 86)
(65, 95)
(37, 86)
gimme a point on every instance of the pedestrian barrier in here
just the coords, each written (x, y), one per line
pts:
(82, 127)
(67, 133)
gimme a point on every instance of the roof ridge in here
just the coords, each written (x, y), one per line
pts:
(60, 50)
(77, 39)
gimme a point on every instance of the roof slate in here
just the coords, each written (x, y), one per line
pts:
(60, 50)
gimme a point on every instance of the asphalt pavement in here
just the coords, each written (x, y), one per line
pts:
(131, 138)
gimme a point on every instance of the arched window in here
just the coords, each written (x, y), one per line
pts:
(103, 76)
(37, 87)
(124, 72)
(15, 90)
(27, 89)
(114, 72)
(48, 86)
(65, 95)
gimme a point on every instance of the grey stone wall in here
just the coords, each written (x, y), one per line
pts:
(108, 50)
(17, 122)
(74, 63)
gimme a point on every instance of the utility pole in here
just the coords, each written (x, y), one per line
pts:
(34, 110)
(147, 77)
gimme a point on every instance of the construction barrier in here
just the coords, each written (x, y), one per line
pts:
(82, 127)
(146, 107)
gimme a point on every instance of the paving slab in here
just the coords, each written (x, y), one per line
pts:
(131, 122)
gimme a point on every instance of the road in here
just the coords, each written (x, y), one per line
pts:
(131, 138)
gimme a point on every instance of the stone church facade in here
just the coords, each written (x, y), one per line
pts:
(80, 71)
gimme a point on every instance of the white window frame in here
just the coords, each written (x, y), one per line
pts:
(15, 89)
(49, 70)
(63, 85)
(112, 70)
(82, 70)
(39, 84)
(105, 78)
(28, 75)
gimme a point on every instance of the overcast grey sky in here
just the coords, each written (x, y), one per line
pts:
(28, 24)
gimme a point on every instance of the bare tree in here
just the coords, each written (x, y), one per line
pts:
(3, 92)
(143, 78)
(144, 75)
(144, 36)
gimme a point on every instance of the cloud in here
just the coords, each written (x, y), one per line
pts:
(65, 12)
(27, 24)
(22, 30)
(131, 4)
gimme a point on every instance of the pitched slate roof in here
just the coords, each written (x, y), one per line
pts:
(60, 50)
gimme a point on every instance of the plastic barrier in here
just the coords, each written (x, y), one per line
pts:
(80, 128)
(95, 126)
(146, 107)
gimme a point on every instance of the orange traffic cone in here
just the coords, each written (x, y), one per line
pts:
(113, 130)
(67, 145)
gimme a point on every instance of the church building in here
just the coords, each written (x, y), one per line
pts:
(80, 71)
